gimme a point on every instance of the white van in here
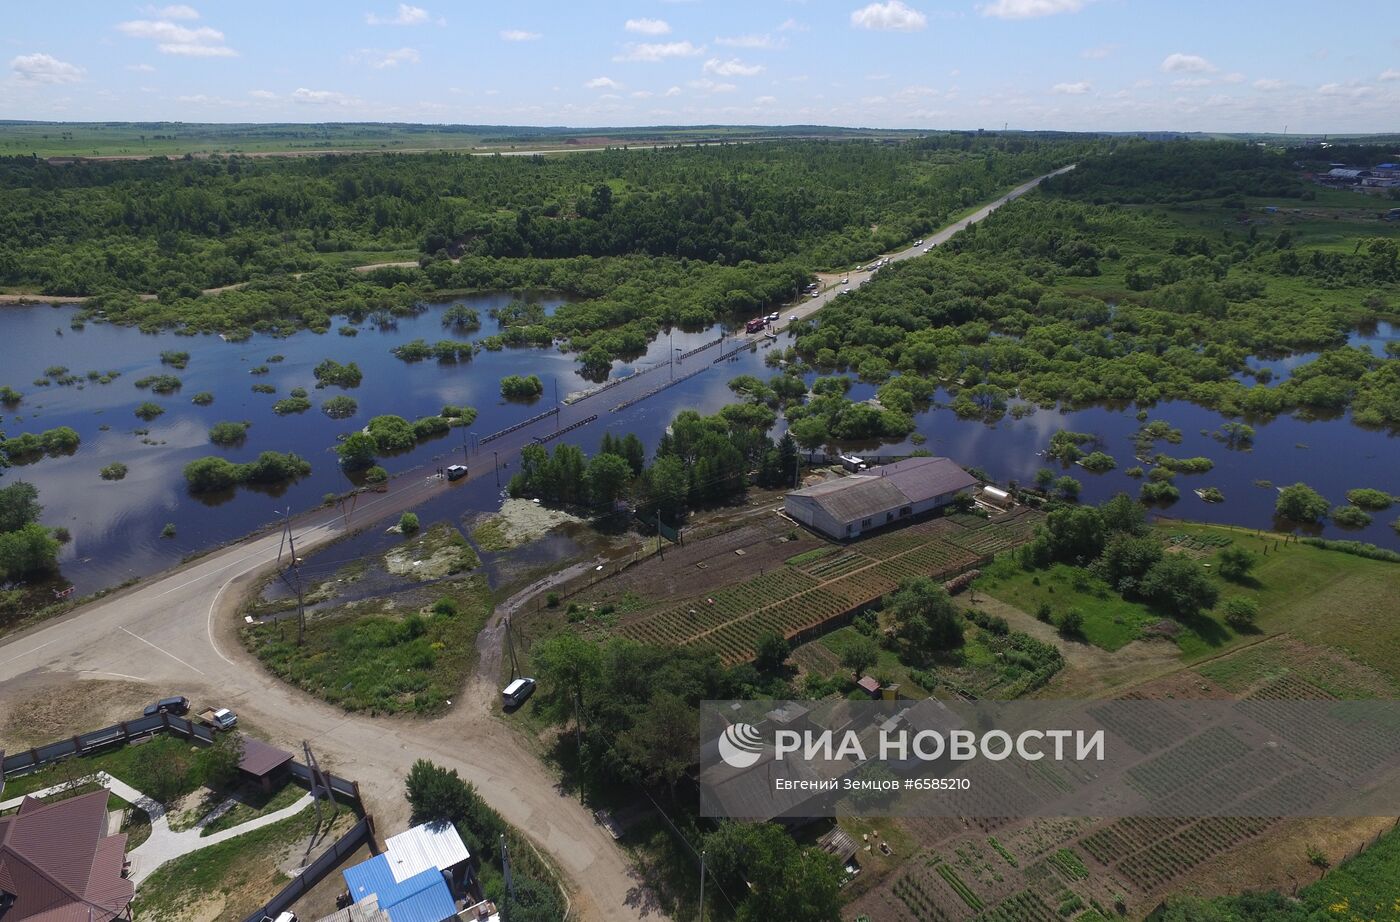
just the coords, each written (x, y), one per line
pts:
(515, 694)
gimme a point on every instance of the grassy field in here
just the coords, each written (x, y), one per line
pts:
(130, 139)
(1366, 887)
(1319, 596)
(1110, 621)
(403, 652)
(129, 763)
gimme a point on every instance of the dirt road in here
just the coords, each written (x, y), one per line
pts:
(177, 633)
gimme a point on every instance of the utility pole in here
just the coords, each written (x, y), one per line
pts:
(296, 569)
(702, 885)
(578, 728)
(496, 458)
(466, 454)
(315, 779)
(505, 867)
(557, 414)
(673, 353)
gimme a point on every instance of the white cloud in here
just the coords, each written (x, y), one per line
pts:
(519, 35)
(1097, 54)
(321, 97)
(603, 83)
(1268, 83)
(1233, 78)
(1191, 81)
(40, 68)
(141, 68)
(1072, 89)
(262, 94)
(712, 86)
(648, 26)
(171, 38)
(1187, 63)
(1030, 9)
(891, 16)
(652, 52)
(758, 42)
(673, 91)
(177, 11)
(1390, 74)
(406, 15)
(732, 68)
(1348, 90)
(791, 25)
(765, 100)
(379, 59)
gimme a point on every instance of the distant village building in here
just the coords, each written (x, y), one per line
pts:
(848, 507)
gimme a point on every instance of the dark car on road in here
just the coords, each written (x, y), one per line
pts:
(176, 705)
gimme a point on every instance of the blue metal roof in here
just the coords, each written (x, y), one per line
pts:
(424, 897)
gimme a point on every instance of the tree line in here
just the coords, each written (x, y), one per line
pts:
(1006, 309)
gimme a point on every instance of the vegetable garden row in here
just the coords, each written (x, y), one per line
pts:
(797, 598)
(1151, 851)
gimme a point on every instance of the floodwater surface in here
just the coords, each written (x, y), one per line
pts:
(116, 526)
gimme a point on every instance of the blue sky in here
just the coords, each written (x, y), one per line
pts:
(1239, 65)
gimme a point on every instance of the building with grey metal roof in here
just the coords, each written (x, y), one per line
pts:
(848, 507)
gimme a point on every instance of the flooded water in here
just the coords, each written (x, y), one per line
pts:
(116, 526)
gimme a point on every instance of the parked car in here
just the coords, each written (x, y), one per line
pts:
(177, 705)
(517, 692)
(456, 471)
(792, 319)
(919, 242)
(218, 718)
(773, 317)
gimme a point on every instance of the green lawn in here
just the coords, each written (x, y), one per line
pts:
(1110, 621)
(255, 803)
(131, 764)
(1338, 600)
(1348, 603)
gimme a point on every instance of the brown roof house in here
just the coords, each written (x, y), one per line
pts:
(57, 864)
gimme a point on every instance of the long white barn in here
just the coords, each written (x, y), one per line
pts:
(848, 507)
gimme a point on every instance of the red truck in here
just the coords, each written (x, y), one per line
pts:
(756, 325)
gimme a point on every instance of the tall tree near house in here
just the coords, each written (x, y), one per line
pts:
(860, 654)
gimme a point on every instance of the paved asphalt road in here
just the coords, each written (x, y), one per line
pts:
(177, 632)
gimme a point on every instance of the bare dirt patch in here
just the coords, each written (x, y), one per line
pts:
(50, 708)
(711, 563)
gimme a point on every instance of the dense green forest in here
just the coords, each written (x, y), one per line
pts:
(1073, 296)
(640, 237)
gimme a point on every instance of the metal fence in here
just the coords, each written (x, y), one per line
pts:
(538, 417)
(360, 834)
(550, 436)
(21, 763)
